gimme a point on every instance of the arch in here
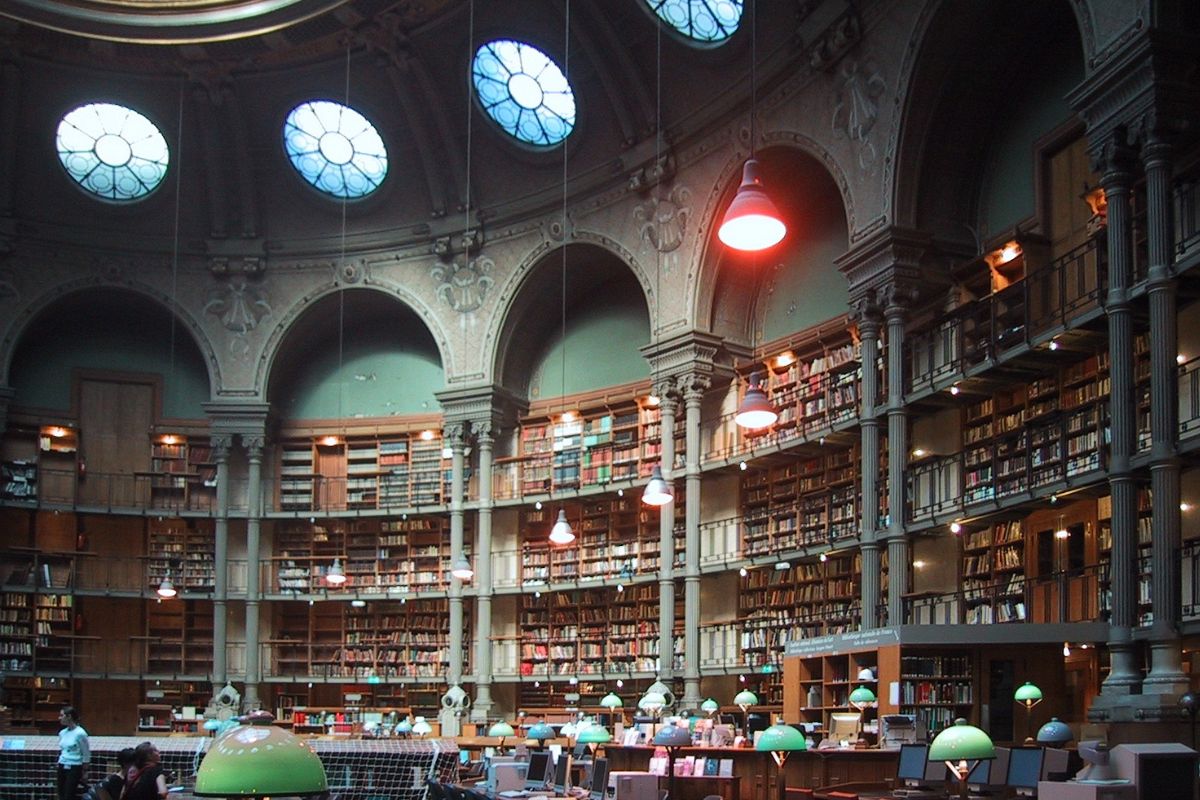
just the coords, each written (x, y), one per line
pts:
(949, 111)
(33, 311)
(300, 322)
(537, 279)
(796, 162)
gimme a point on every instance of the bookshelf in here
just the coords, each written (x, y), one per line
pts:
(336, 473)
(937, 686)
(410, 553)
(182, 473)
(18, 480)
(179, 638)
(185, 547)
(34, 702)
(993, 579)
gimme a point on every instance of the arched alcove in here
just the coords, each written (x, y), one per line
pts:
(114, 330)
(759, 297)
(607, 322)
(356, 354)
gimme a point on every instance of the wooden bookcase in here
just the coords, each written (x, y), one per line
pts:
(179, 637)
(182, 473)
(993, 576)
(804, 503)
(34, 702)
(383, 639)
(335, 473)
(377, 554)
(186, 548)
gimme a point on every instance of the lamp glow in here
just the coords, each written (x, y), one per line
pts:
(561, 533)
(658, 491)
(756, 410)
(462, 569)
(752, 222)
(335, 576)
(166, 589)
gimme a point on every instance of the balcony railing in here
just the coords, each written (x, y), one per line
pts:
(1080, 595)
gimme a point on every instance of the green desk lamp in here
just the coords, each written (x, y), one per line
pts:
(540, 732)
(861, 699)
(258, 759)
(710, 706)
(743, 700)
(779, 740)
(1029, 696)
(1054, 733)
(614, 704)
(502, 730)
(593, 736)
(962, 746)
(672, 737)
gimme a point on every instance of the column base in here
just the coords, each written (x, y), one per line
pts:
(481, 708)
(691, 694)
(1136, 708)
(449, 720)
(1166, 677)
(1124, 676)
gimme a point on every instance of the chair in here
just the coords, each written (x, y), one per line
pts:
(434, 790)
(452, 792)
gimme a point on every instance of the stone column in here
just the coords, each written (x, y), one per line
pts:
(693, 389)
(454, 436)
(867, 317)
(221, 444)
(666, 539)
(1166, 674)
(895, 312)
(1123, 677)
(482, 706)
(254, 455)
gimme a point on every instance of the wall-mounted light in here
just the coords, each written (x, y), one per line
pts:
(1053, 344)
(956, 527)
(919, 453)
(330, 441)
(426, 435)
(954, 390)
(653, 400)
(170, 438)
(785, 359)
(1005, 254)
(1062, 532)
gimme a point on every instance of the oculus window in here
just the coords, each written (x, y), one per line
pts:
(335, 148)
(112, 152)
(703, 21)
(524, 91)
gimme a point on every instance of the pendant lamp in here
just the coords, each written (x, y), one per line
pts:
(755, 410)
(335, 576)
(462, 569)
(166, 589)
(752, 222)
(561, 533)
(658, 492)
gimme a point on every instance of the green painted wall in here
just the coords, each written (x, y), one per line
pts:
(806, 288)
(602, 345)
(130, 334)
(1035, 108)
(383, 373)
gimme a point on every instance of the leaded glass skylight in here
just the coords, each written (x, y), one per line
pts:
(112, 151)
(705, 21)
(335, 148)
(524, 92)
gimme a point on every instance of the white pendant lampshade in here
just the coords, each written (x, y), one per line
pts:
(658, 491)
(561, 533)
(166, 589)
(752, 221)
(335, 576)
(462, 569)
(755, 410)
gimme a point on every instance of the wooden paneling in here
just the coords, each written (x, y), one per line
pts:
(55, 531)
(114, 420)
(108, 708)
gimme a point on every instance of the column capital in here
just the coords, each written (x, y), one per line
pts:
(484, 430)
(692, 353)
(238, 417)
(693, 388)
(866, 313)
(221, 443)
(254, 445)
(482, 403)
(455, 434)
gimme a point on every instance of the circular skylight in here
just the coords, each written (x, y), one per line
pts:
(335, 148)
(112, 152)
(524, 92)
(706, 21)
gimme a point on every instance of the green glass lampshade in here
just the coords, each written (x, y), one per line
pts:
(962, 742)
(541, 731)
(501, 729)
(710, 706)
(779, 739)
(653, 702)
(1028, 694)
(672, 736)
(1054, 733)
(862, 696)
(260, 760)
(611, 700)
(404, 727)
(745, 698)
(594, 734)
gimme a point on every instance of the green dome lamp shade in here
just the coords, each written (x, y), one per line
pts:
(611, 700)
(501, 730)
(779, 740)
(540, 732)
(592, 736)
(652, 703)
(1054, 733)
(404, 727)
(756, 411)
(260, 760)
(710, 706)
(962, 746)
(1029, 696)
(421, 727)
(745, 699)
(862, 697)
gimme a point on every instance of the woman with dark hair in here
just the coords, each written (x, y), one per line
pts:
(73, 754)
(147, 780)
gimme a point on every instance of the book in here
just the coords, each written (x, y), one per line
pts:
(710, 766)
(700, 765)
(725, 770)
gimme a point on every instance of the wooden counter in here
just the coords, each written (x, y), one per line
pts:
(756, 774)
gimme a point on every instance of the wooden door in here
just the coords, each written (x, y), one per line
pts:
(114, 424)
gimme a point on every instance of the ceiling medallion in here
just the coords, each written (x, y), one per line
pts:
(166, 21)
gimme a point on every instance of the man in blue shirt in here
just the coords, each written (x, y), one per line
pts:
(73, 754)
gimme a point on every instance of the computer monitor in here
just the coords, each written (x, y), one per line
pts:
(897, 729)
(539, 766)
(757, 722)
(1165, 769)
(989, 776)
(562, 774)
(599, 780)
(910, 769)
(843, 727)
(1055, 764)
(580, 752)
(1024, 770)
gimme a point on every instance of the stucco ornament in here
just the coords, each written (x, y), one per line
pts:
(240, 307)
(663, 221)
(856, 107)
(463, 283)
